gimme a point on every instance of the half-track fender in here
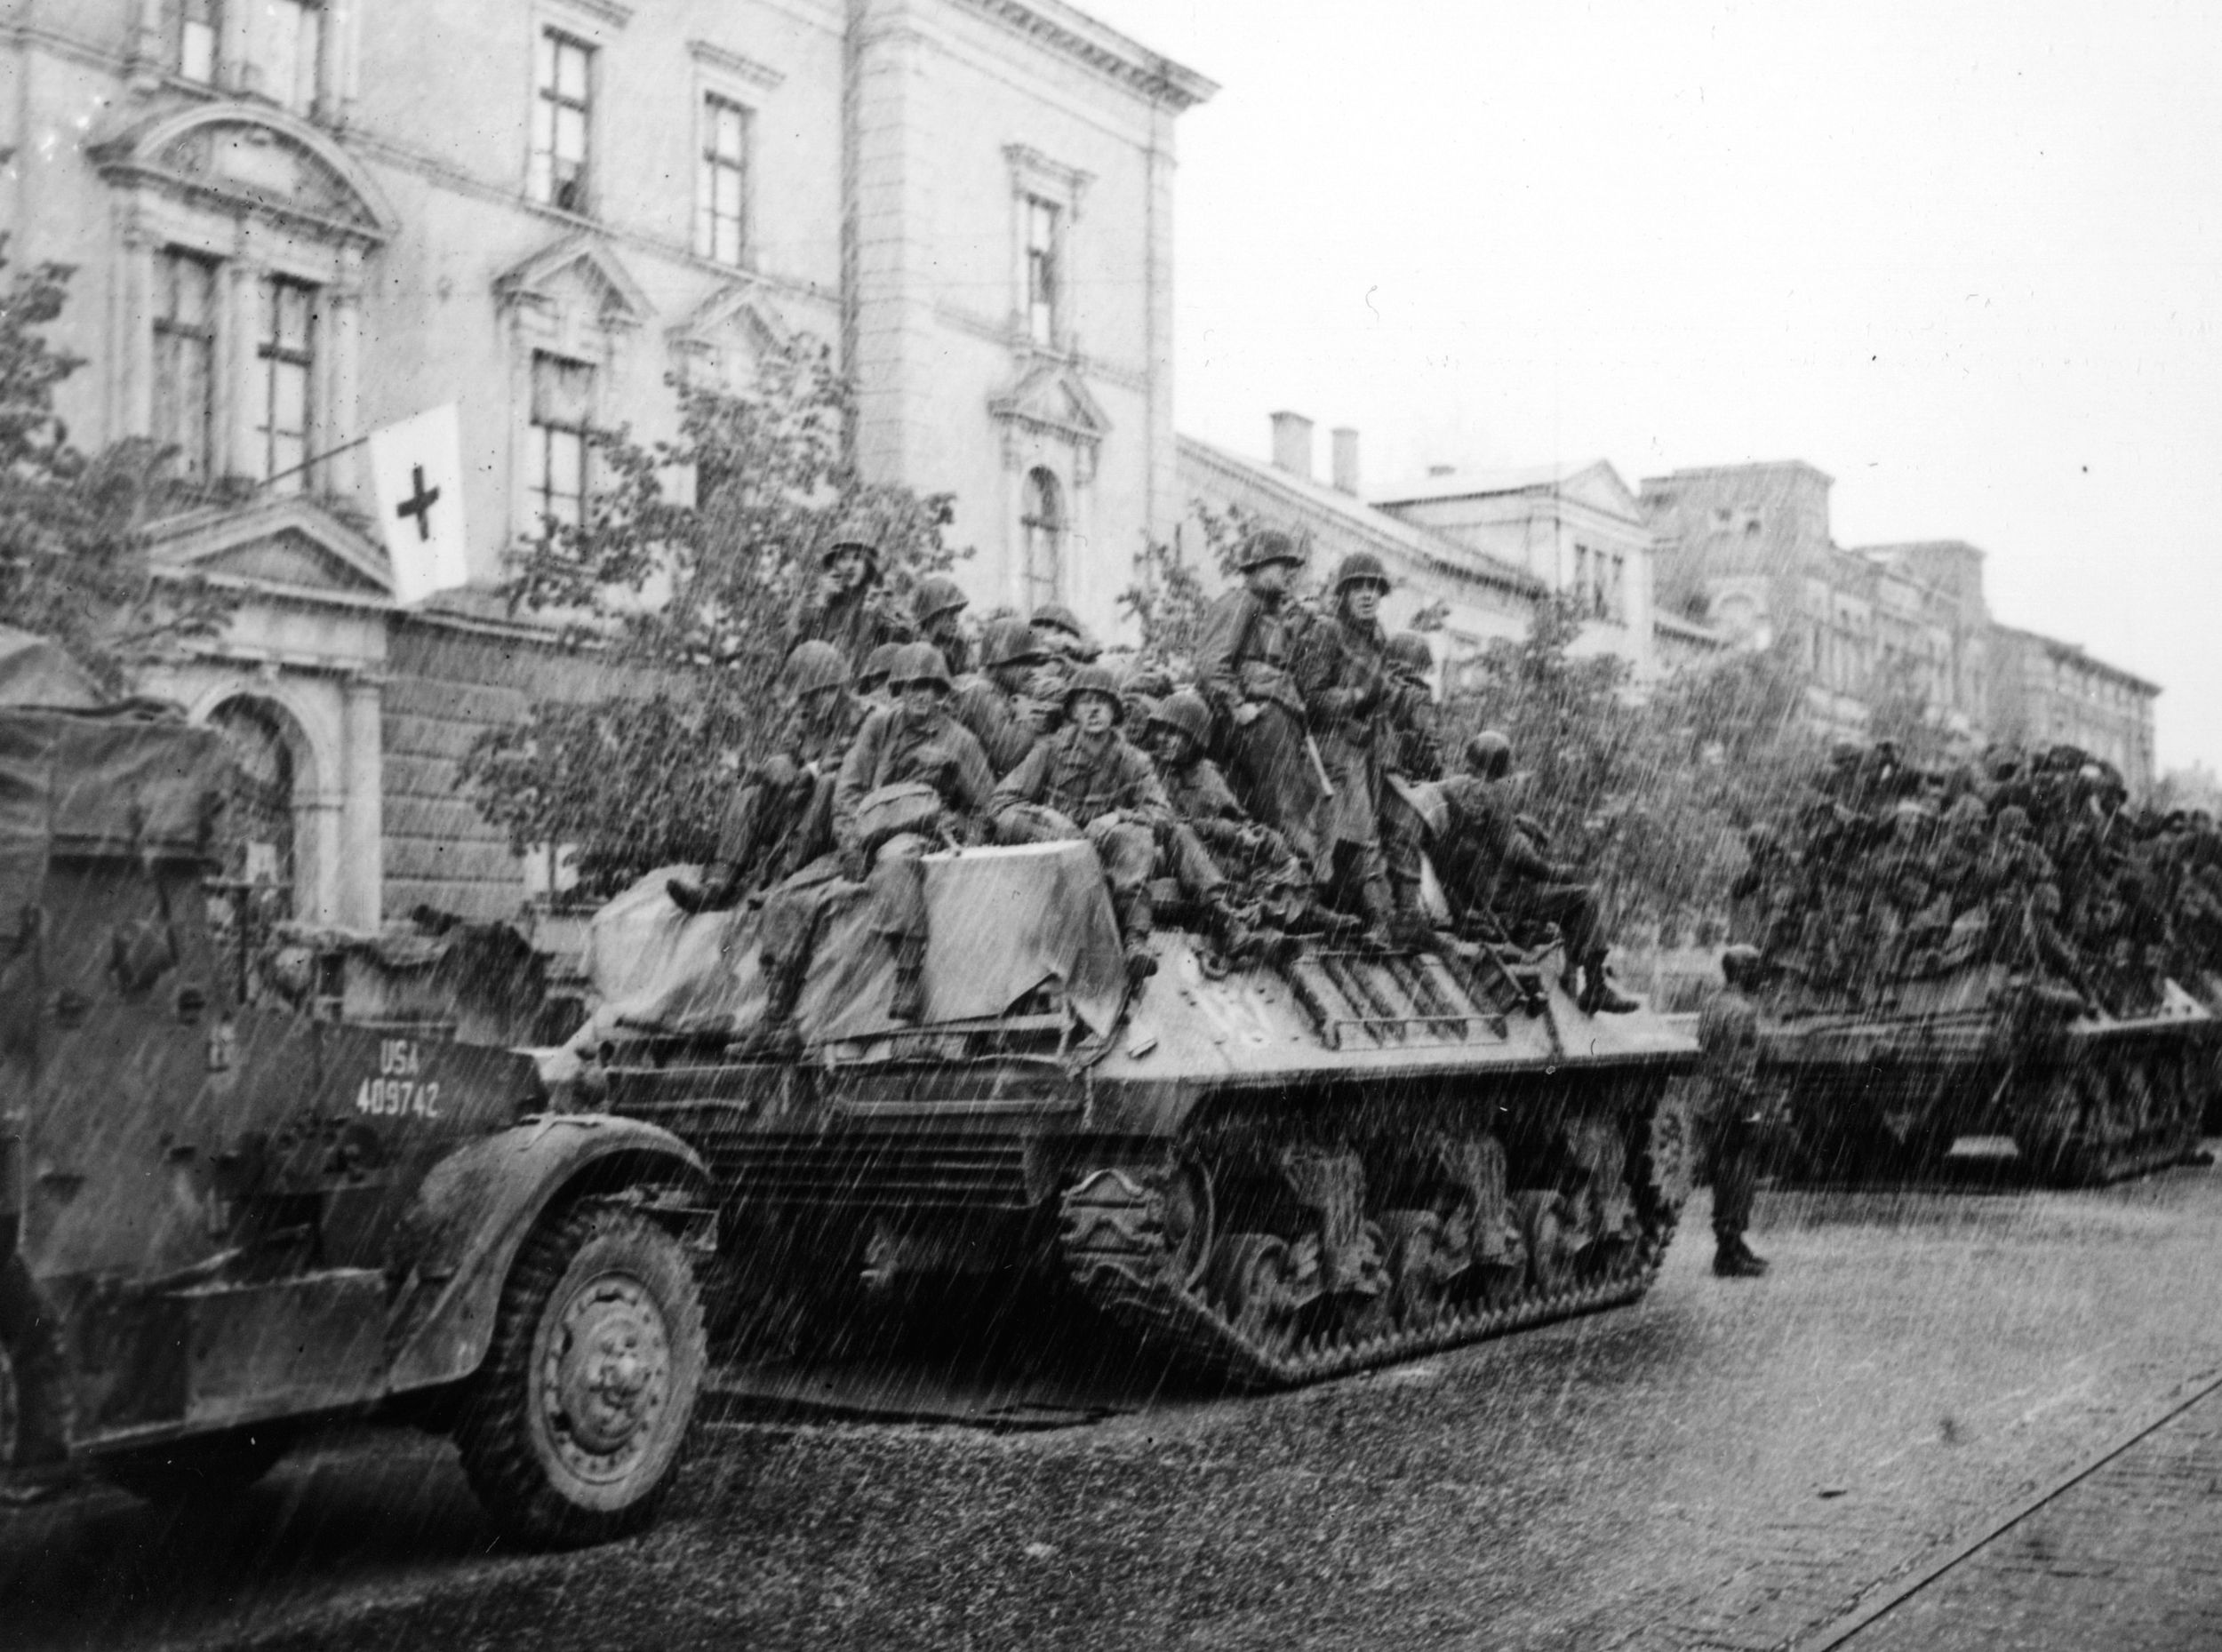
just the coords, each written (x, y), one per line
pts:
(477, 1205)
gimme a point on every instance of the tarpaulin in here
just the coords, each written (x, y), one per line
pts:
(37, 672)
(1001, 922)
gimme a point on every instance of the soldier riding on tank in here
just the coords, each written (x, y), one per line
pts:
(849, 608)
(996, 703)
(780, 818)
(936, 608)
(1342, 670)
(1085, 781)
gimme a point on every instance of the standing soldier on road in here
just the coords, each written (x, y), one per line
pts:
(1243, 672)
(1728, 1046)
(995, 704)
(937, 610)
(1342, 670)
(849, 609)
(899, 756)
(1085, 781)
(780, 817)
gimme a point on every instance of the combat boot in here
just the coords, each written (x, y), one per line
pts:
(1137, 923)
(1732, 1259)
(776, 1037)
(719, 889)
(1599, 996)
(1238, 943)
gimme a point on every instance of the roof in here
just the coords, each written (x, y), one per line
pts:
(1461, 484)
(1674, 625)
(1688, 471)
(2076, 653)
(1067, 29)
(1319, 499)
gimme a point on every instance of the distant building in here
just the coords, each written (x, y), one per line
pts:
(1481, 597)
(1748, 550)
(1577, 528)
(2047, 692)
(295, 221)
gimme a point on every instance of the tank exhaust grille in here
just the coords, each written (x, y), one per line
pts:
(1400, 1001)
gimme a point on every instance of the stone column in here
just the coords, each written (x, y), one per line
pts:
(234, 411)
(363, 834)
(132, 376)
(340, 371)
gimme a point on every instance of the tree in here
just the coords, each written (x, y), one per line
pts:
(676, 595)
(74, 548)
(1170, 597)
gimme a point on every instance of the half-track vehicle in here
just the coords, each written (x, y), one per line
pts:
(221, 1221)
(1270, 1175)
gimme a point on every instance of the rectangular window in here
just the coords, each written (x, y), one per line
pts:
(1041, 271)
(563, 73)
(286, 366)
(292, 52)
(185, 361)
(1581, 577)
(721, 193)
(196, 40)
(1617, 590)
(556, 467)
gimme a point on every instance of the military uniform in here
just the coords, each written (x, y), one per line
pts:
(1728, 1046)
(780, 818)
(1213, 842)
(1099, 788)
(1005, 723)
(855, 621)
(1480, 843)
(1245, 657)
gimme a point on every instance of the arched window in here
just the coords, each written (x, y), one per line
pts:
(1043, 520)
(257, 818)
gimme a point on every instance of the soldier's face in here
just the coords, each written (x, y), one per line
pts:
(1170, 746)
(1092, 713)
(922, 699)
(847, 568)
(1363, 601)
(1272, 579)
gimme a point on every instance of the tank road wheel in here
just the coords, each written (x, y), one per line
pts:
(1255, 1276)
(1420, 1264)
(202, 1470)
(1550, 1247)
(1185, 1214)
(1368, 1309)
(585, 1397)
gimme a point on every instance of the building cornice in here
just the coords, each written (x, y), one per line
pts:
(1075, 35)
(762, 76)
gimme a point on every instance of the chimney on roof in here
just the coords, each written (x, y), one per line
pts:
(1345, 450)
(1292, 444)
(1441, 470)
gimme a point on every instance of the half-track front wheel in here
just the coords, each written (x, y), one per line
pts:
(577, 1416)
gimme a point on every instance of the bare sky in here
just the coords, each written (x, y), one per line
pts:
(1966, 258)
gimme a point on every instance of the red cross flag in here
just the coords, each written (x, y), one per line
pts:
(417, 468)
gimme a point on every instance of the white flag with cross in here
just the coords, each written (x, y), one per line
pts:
(417, 468)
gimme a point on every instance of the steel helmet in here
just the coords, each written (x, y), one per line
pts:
(815, 665)
(1361, 568)
(1010, 642)
(1409, 649)
(937, 595)
(1056, 617)
(1268, 544)
(1489, 755)
(1187, 712)
(919, 662)
(1095, 680)
(867, 548)
(1740, 964)
(877, 665)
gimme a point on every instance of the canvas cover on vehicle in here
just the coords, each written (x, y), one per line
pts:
(127, 786)
(1002, 922)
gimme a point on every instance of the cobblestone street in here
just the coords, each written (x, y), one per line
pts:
(1739, 1465)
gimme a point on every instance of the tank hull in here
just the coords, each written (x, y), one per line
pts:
(1269, 1177)
(2086, 1097)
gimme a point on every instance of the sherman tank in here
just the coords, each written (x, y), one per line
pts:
(1270, 1174)
(2088, 1096)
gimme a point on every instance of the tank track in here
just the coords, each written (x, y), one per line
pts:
(1116, 1249)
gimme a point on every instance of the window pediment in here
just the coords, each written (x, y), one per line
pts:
(576, 283)
(722, 341)
(292, 543)
(1050, 399)
(251, 159)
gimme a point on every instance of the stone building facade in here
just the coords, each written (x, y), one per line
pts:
(1747, 549)
(296, 220)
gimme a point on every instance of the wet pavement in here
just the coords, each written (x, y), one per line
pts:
(1881, 1439)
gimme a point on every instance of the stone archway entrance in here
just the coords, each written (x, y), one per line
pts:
(257, 833)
